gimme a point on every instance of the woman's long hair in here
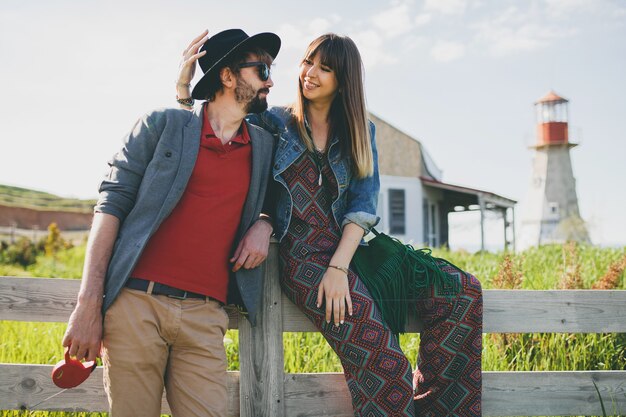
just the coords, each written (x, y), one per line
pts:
(348, 114)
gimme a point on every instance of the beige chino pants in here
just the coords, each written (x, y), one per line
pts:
(153, 342)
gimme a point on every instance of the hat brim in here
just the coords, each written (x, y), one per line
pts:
(267, 41)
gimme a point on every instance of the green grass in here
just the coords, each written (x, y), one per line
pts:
(67, 263)
(546, 267)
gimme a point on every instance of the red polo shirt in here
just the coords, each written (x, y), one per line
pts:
(192, 247)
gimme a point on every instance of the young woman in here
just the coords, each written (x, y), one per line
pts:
(326, 189)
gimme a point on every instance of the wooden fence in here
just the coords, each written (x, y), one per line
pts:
(262, 389)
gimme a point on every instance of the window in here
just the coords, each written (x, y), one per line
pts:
(431, 223)
(397, 224)
(554, 209)
(425, 221)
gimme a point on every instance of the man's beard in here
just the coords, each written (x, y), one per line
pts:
(244, 93)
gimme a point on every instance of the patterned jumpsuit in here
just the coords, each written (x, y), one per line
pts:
(377, 372)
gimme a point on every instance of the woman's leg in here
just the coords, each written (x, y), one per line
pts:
(449, 378)
(377, 372)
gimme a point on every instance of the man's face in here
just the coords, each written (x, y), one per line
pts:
(251, 89)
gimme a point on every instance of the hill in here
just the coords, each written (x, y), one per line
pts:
(39, 200)
(21, 208)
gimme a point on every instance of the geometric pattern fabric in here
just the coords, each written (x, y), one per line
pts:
(377, 372)
(449, 359)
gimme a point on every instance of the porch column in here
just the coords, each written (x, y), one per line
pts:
(481, 203)
(513, 225)
(506, 225)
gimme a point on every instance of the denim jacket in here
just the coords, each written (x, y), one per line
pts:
(357, 198)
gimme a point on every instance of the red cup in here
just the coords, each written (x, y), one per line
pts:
(70, 373)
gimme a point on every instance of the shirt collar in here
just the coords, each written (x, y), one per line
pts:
(242, 136)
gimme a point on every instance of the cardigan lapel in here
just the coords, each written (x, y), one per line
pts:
(258, 144)
(190, 146)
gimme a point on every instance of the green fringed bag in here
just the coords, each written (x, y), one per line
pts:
(396, 274)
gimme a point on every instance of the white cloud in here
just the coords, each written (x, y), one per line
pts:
(298, 36)
(394, 21)
(320, 25)
(413, 42)
(423, 19)
(562, 8)
(372, 48)
(619, 13)
(335, 18)
(447, 51)
(292, 37)
(514, 30)
(446, 6)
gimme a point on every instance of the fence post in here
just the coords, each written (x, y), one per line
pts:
(261, 363)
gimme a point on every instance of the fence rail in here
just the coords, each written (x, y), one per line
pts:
(262, 389)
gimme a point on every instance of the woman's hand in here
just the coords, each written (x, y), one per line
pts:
(335, 290)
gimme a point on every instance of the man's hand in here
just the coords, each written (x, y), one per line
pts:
(254, 247)
(83, 336)
(190, 56)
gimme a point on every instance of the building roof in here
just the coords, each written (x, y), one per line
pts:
(466, 196)
(402, 155)
(551, 97)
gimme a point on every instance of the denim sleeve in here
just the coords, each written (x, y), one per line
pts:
(119, 187)
(255, 119)
(362, 197)
(270, 120)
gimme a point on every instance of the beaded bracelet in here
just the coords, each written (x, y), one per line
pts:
(185, 101)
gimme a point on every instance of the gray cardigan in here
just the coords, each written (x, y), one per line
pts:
(147, 178)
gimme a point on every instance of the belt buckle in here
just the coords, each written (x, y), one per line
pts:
(178, 297)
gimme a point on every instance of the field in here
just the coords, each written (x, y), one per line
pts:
(568, 266)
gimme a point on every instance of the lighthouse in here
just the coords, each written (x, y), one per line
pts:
(551, 212)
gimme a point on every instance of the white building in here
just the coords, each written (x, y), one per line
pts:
(414, 202)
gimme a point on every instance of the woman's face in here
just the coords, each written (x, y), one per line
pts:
(319, 82)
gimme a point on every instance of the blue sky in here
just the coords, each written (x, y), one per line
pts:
(459, 75)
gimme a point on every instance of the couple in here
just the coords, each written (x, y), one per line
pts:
(191, 191)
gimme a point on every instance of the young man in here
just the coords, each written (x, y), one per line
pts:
(183, 195)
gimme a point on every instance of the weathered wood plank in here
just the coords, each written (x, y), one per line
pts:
(505, 311)
(326, 394)
(23, 386)
(553, 393)
(523, 311)
(37, 299)
(555, 311)
(504, 394)
(261, 351)
(49, 300)
(317, 395)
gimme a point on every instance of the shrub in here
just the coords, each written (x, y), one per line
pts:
(23, 252)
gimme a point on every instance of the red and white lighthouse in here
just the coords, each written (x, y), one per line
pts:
(551, 212)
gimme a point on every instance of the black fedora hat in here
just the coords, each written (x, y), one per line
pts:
(221, 46)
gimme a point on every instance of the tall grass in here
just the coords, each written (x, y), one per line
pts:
(546, 267)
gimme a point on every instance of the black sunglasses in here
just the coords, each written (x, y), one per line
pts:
(264, 70)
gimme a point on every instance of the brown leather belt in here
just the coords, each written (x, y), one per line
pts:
(162, 289)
